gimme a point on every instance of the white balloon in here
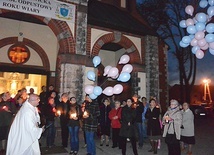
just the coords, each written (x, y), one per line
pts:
(127, 68)
(124, 59)
(106, 70)
(199, 54)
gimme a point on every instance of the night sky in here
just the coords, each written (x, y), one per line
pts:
(205, 67)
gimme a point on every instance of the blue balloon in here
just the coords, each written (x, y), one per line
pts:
(209, 38)
(203, 3)
(201, 17)
(195, 48)
(200, 26)
(183, 24)
(91, 75)
(182, 44)
(210, 11)
(211, 51)
(124, 77)
(192, 36)
(186, 39)
(97, 90)
(210, 28)
(211, 2)
(96, 61)
(92, 96)
(191, 29)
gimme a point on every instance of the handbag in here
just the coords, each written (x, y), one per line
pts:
(171, 138)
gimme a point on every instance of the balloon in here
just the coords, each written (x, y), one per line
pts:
(189, 22)
(127, 68)
(91, 75)
(124, 77)
(182, 44)
(106, 70)
(124, 59)
(186, 39)
(194, 42)
(92, 96)
(210, 11)
(114, 77)
(201, 17)
(97, 90)
(189, 10)
(89, 89)
(211, 51)
(108, 91)
(199, 54)
(209, 38)
(211, 2)
(205, 47)
(195, 48)
(191, 29)
(113, 72)
(96, 61)
(210, 28)
(203, 3)
(195, 20)
(211, 45)
(191, 36)
(199, 35)
(202, 42)
(200, 26)
(118, 88)
(183, 24)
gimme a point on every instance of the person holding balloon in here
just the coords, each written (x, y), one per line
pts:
(105, 122)
(90, 123)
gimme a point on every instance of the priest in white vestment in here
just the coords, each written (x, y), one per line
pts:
(25, 132)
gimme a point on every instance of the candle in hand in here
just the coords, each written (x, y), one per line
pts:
(58, 112)
(73, 115)
(85, 113)
(4, 107)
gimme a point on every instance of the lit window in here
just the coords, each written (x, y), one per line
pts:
(18, 53)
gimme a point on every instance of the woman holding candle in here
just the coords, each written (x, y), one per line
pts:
(74, 115)
(90, 123)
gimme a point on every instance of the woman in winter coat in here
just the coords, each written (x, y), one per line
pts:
(74, 115)
(172, 120)
(128, 127)
(187, 128)
(115, 117)
(153, 125)
(105, 122)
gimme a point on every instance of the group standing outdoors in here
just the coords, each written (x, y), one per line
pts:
(27, 117)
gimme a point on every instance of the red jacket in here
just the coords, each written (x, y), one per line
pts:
(115, 123)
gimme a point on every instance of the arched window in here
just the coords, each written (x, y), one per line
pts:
(18, 53)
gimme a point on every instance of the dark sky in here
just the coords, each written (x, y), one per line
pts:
(205, 67)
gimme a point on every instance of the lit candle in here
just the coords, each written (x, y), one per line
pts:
(85, 113)
(73, 115)
(4, 107)
(58, 112)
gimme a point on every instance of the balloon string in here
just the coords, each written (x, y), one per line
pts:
(104, 82)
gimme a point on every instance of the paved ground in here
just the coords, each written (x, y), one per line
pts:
(204, 129)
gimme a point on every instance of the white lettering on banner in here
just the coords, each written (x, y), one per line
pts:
(46, 8)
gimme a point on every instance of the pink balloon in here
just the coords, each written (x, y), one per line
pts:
(118, 88)
(124, 59)
(127, 68)
(189, 22)
(199, 35)
(106, 70)
(205, 47)
(189, 10)
(202, 42)
(89, 89)
(211, 45)
(108, 91)
(113, 72)
(199, 54)
(115, 77)
(194, 42)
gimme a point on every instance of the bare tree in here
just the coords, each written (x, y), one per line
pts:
(164, 16)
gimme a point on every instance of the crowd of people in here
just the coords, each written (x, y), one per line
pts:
(134, 120)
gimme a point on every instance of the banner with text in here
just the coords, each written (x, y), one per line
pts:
(46, 8)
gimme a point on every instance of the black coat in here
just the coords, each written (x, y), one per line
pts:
(74, 108)
(103, 118)
(153, 123)
(128, 115)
